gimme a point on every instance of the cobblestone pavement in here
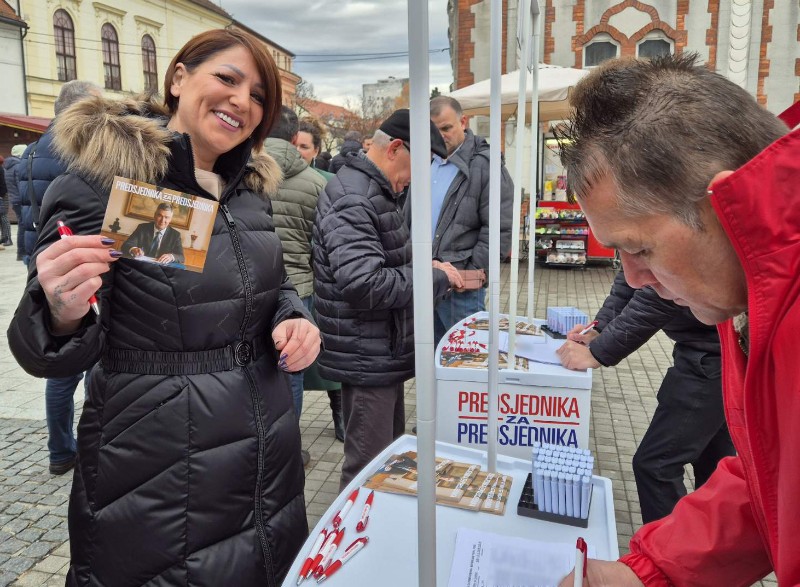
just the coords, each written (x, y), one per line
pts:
(34, 547)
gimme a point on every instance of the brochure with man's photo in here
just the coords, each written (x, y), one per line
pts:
(157, 225)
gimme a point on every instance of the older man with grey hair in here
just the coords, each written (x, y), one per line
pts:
(38, 167)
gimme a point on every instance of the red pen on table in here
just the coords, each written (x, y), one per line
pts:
(586, 330)
(65, 232)
(337, 521)
(327, 556)
(320, 553)
(362, 523)
(581, 552)
(308, 565)
(349, 553)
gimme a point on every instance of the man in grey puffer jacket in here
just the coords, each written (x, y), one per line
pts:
(460, 212)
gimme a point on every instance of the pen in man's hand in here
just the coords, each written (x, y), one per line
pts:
(586, 330)
(65, 232)
(580, 563)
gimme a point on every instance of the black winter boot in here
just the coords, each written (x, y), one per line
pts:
(335, 396)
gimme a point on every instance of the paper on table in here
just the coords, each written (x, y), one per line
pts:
(532, 348)
(483, 559)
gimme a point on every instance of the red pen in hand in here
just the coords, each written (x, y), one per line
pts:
(589, 328)
(581, 552)
(65, 232)
(362, 523)
(349, 553)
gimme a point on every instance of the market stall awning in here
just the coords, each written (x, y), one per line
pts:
(554, 85)
(31, 123)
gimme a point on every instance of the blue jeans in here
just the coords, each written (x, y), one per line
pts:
(296, 379)
(60, 410)
(455, 307)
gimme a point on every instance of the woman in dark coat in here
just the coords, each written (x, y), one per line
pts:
(189, 469)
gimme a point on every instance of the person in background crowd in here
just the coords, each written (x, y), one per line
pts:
(351, 144)
(12, 185)
(294, 205)
(363, 289)
(460, 212)
(5, 225)
(45, 165)
(189, 469)
(695, 184)
(688, 426)
(35, 176)
(309, 141)
(323, 161)
(366, 144)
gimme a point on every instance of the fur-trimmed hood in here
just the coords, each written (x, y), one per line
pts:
(99, 138)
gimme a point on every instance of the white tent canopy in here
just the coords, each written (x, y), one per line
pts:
(554, 85)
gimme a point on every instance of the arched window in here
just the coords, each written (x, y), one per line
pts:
(598, 51)
(149, 63)
(111, 57)
(64, 32)
(653, 48)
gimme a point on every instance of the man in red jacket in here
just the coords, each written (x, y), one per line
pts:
(654, 145)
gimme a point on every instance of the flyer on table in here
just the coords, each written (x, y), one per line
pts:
(153, 224)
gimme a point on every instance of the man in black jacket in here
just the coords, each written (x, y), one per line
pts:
(688, 425)
(351, 144)
(157, 239)
(363, 290)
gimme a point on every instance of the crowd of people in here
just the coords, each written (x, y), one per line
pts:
(188, 464)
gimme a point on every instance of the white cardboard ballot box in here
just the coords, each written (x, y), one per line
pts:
(537, 401)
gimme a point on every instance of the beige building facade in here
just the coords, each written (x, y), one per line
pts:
(123, 47)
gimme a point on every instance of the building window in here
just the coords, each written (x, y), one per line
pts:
(598, 51)
(108, 35)
(149, 63)
(654, 48)
(65, 46)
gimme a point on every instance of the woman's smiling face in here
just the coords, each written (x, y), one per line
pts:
(220, 103)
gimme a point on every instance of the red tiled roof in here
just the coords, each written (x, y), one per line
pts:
(32, 123)
(6, 11)
(325, 110)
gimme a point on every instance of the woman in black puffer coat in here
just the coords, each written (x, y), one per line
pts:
(189, 469)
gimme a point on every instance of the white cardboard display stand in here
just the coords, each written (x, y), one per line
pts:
(546, 403)
(390, 557)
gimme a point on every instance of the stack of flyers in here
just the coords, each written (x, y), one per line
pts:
(461, 485)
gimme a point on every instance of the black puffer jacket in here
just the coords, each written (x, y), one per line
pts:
(363, 279)
(630, 317)
(340, 158)
(189, 470)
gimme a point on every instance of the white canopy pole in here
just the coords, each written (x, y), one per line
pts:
(524, 39)
(423, 289)
(495, 49)
(535, 140)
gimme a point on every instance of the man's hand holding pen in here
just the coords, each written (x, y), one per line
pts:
(574, 353)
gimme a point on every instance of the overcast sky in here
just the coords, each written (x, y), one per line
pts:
(333, 39)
